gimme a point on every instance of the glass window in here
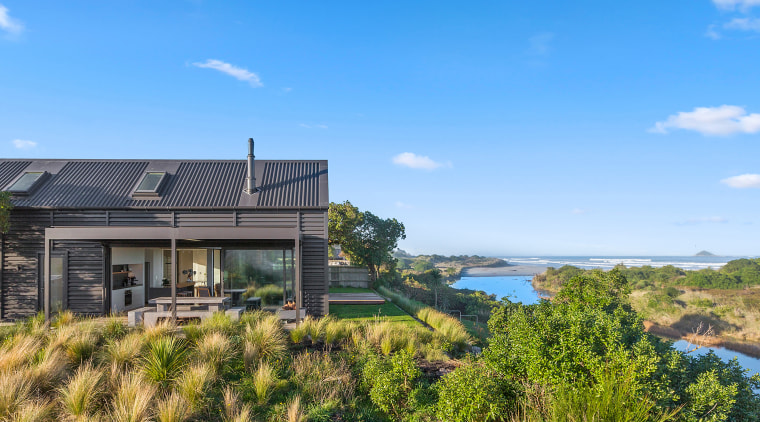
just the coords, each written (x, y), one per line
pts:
(150, 183)
(57, 284)
(267, 274)
(26, 182)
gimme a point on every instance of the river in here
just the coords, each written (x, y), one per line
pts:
(520, 289)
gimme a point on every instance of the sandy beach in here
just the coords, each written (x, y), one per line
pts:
(509, 270)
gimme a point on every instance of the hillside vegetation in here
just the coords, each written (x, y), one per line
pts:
(727, 301)
(581, 357)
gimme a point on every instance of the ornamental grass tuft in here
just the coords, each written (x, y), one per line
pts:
(82, 393)
(132, 400)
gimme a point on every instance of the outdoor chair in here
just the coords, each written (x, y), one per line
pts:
(204, 292)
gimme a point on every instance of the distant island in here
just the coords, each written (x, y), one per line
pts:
(704, 253)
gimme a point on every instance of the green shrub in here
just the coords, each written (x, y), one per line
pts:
(672, 292)
(270, 294)
(702, 302)
(390, 381)
(472, 393)
(164, 359)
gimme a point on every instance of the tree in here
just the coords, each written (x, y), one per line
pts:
(366, 238)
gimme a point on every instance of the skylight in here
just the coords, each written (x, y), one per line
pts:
(26, 183)
(150, 184)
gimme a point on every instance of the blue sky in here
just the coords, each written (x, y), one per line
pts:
(497, 128)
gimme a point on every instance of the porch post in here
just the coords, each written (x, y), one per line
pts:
(174, 279)
(297, 253)
(221, 271)
(46, 279)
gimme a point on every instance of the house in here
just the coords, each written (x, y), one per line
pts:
(102, 236)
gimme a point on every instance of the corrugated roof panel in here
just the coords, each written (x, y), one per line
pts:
(88, 184)
(200, 184)
(9, 170)
(290, 184)
(189, 184)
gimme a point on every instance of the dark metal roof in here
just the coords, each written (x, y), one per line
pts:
(108, 184)
(9, 170)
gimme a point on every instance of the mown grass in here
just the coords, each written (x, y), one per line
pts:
(387, 312)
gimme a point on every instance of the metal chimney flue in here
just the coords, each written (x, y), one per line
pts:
(250, 180)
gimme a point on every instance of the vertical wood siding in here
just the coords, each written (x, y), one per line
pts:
(21, 247)
(85, 276)
(314, 262)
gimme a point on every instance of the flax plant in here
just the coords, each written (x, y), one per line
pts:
(164, 359)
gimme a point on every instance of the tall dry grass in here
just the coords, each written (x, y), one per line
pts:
(323, 378)
(451, 328)
(132, 400)
(295, 410)
(233, 410)
(265, 341)
(172, 408)
(192, 385)
(215, 349)
(121, 355)
(15, 391)
(81, 396)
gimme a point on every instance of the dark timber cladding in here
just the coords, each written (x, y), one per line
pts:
(83, 207)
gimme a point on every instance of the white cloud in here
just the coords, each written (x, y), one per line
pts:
(412, 160)
(743, 24)
(22, 144)
(713, 33)
(312, 126)
(540, 43)
(9, 24)
(703, 220)
(236, 72)
(743, 182)
(578, 211)
(723, 120)
(400, 204)
(736, 4)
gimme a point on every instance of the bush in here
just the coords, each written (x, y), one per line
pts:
(391, 380)
(270, 294)
(472, 393)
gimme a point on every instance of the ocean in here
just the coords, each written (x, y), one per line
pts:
(608, 262)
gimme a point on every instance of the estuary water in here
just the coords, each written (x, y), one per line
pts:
(520, 289)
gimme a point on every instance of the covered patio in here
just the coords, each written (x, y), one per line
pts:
(188, 272)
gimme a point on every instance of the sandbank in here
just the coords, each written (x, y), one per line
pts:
(505, 271)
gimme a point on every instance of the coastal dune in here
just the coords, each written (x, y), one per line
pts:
(504, 271)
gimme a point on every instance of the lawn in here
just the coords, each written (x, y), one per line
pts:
(350, 290)
(386, 311)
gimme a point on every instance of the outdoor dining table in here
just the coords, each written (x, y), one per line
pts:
(213, 303)
(236, 294)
